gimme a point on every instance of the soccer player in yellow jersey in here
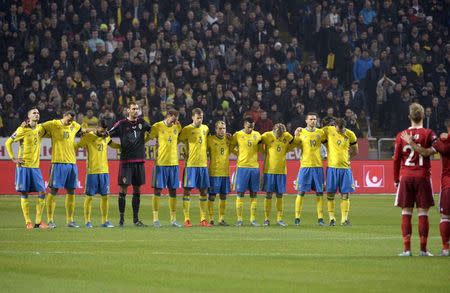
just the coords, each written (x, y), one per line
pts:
(246, 142)
(310, 175)
(166, 174)
(342, 144)
(28, 174)
(276, 144)
(219, 171)
(64, 172)
(97, 178)
(196, 175)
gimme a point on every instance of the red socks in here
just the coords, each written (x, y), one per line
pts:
(424, 226)
(406, 232)
(444, 227)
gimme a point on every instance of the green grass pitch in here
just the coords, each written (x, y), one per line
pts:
(219, 259)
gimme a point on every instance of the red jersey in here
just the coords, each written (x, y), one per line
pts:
(443, 147)
(409, 163)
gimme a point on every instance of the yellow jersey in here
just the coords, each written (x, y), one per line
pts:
(275, 152)
(195, 140)
(247, 147)
(29, 145)
(97, 152)
(219, 153)
(63, 140)
(338, 145)
(89, 122)
(167, 143)
(310, 142)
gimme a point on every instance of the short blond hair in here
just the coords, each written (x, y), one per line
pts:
(416, 112)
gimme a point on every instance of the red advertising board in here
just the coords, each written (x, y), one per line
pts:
(371, 177)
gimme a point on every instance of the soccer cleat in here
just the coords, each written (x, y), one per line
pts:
(122, 222)
(52, 225)
(139, 224)
(320, 222)
(266, 223)
(187, 224)
(29, 226)
(333, 223)
(176, 224)
(282, 223)
(425, 253)
(205, 223)
(223, 223)
(405, 253)
(36, 225)
(297, 222)
(346, 223)
(445, 252)
(43, 225)
(107, 224)
(239, 224)
(73, 224)
(89, 225)
(254, 224)
(211, 222)
(157, 224)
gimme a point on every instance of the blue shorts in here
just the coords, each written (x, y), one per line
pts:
(97, 184)
(310, 179)
(246, 179)
(274, 183)
(219, 185)
(63, 176)
(196, 177)
(166, 177)
(339, 178)
(29, 180)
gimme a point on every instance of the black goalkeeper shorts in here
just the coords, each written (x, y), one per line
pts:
(131, 174)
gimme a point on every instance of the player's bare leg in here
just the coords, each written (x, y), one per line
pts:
(239, 208)
(345, 207)
(253, 204)
(173, 208)
(444, 228)
(155, 207)
(406, 231)
(267, 208)
(186, 207)
(122, 203)
(280, 208)
(331, 206)
(222, 206)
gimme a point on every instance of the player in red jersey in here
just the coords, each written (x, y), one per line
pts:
(412, 178)
(442, 146)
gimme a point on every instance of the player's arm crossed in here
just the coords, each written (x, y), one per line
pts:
(424, 152)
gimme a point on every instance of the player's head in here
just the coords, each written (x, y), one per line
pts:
(172, 117)
(249, 124)
(33, 115)
(340, 124)
(416, 113)
(221, 128)
(133, 110)
(279, 129)
(69, 116)
(197, 117)
(311, 119)
(102, 126)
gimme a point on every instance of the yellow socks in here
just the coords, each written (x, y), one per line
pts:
(25, 204)
(51, 205)
(239, 207)
(222, 205)
(155, 204)
(211, 209)
(40, 205)
(252, 209)
(70, 207)
(267, 208)
(87, 209)
(173, 208)
(331, 205)
(104, 208)
(345, 207)
(319, 206)
(203, 207)
(279, 204)
(298, 206)
(186, 206)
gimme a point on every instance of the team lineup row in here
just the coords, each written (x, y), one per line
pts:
(210, 179)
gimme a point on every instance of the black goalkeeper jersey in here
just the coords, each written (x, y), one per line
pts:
(132, 139)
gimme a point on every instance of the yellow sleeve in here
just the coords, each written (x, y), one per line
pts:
(153, 132)
(8, 145)
(114, 145)
(48, 127)
(182, 138)
(353, 139)
(233, 144)
(83, 141)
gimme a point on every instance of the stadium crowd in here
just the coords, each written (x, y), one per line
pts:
(271, 60)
